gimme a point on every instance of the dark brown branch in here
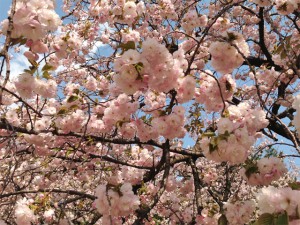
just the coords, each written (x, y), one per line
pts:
(197, 184)
(71, 192)
(142, 213)
(2, 88)
(279, 129)
(261, 31)
(5, 125)
(258, 62)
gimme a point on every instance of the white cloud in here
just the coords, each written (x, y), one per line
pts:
(97, 46)
(18, 63)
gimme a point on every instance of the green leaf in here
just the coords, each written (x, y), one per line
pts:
(62, 111)
(224, 136)
(288, 39)
(231, 36)
(251, 170)
(76, 91)
(128, 45)
(161, 112)
(283, 54)
(31, 70)
(213, 145)
(222, 220)
(265, 219)
(109, 168)
(119, 123)
(250, 167)
(157, 219)
(295, 185)
(282, 219)
(74, 107)
(279, 49)
(47, 67)
(208, 134)
(20, 41)
(72, 98)
(67, 37)
(225, 114)
(228, 86)
(33, 63)
(46, 75)
(139, 66)
(271, 152)
(68, 153)
(142, 189)
(28, 71)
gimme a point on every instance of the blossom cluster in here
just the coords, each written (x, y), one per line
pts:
(239, 212)
(186, 89)
(72, 122)
(236, 134)
(229, 54)
(214, 92)
(172, 125)
(277, 200)
(115, 201)
(265, 170)
(64, 46)
(206, 219)
(153, 102)
(28, 86)
(284, 7)
(33, 19)
(128, 68)
(24, 215)
(153, 68)
(119, 109)
(269, 79)
(169, 126)
(123, 11)
(192, 20)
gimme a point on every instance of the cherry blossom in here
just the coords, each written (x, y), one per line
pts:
(150, 112)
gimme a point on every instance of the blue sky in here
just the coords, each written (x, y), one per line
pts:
(5, 4)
